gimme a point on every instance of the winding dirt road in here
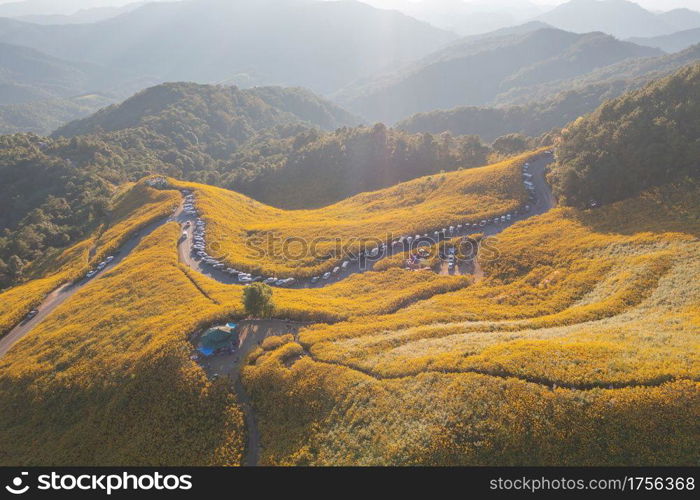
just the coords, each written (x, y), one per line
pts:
(544, 201)
(66, 291)
(252, 333)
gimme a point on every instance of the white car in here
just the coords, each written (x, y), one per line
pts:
(270, 281)
(315, 279)
(245, 279)
(326, 276)
(336, 270)
(345, 264)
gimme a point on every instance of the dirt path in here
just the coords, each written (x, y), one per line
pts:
(252, 334)
(66, 291)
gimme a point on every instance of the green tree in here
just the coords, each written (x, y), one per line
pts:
(511, 144)
(257, 300)
(15, 267)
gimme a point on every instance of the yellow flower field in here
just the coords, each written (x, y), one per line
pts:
(575, 348)
(239, 229)
(133, 209)
(586, 329)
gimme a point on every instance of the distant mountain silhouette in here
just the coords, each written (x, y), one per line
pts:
(673, 42)
(319, 45)
(475, 72)
(621, 18)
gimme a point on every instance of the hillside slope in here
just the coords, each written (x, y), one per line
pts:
(206, 109)
(578, 321)
(476, 72)
(538, 109)
(674, 42)
(585, 318)
(27, 75)
(241, 228)
(639, 140)
(43, 116)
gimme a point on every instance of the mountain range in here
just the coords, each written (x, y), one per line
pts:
(476, 71)
(674, 42)
(621, 18)
(307, 43)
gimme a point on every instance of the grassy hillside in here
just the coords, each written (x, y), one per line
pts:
(575, 349)
(118, 387)
(312, 170)
(238, 226)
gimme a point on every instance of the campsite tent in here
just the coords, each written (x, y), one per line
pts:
(221, 337)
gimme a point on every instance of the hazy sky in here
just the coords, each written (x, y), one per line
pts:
(649, 4)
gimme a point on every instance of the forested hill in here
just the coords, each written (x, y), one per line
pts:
(195, 112)
(641, 139)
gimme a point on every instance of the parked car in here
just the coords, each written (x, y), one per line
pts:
(91, 274)
(326, 276)
(101, 266)
(31, 315)
(109, 259)
(315, 279)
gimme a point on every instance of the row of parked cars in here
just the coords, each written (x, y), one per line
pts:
(199, 245)
(100, 267)
(199, 249)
